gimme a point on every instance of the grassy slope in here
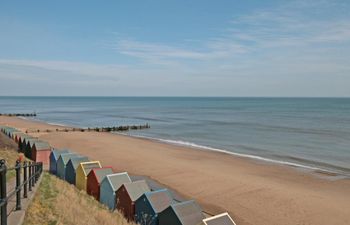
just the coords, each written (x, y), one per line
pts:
(58, 202)
(9, 153)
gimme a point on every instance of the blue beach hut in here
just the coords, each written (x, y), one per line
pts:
(109, 185)
(72, 166)
(62, 163)
(55, 154)
(150, 204)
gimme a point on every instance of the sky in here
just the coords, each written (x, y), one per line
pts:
(175, 48)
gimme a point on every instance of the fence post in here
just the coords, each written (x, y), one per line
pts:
(33, 174)
(25, 180)
(41, 168)
(36, 172)
(3, 191)
(30, 176)
(18, 185)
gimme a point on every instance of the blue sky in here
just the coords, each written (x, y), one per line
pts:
(175, 48)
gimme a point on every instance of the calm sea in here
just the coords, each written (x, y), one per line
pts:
(306, 132)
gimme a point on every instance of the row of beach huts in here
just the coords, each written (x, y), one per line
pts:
(134, 199)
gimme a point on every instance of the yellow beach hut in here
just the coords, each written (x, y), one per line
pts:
(82, 171)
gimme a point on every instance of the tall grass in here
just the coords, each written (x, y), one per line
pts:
(10, 155)
(58, 202)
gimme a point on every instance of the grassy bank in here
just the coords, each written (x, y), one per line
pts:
(9, 153)
(58, 202)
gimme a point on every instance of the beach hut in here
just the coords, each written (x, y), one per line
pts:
(62, 163)
(109, 185)
(27, 146)
(15, 134)
(21, 142)
(221, 219)
(183, 213)
(55, 154)
(82, 171)
(150, 204)
(94, 179)
(9, 130)
(126, 196)
(18, 135)
(41, 151)
(71, 167)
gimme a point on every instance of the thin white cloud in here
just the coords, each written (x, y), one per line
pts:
(296, 24)
(78, 68)
(282, 51)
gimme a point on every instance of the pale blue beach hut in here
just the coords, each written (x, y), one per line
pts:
(62, 163)
(55, 154)
(72, 166)
(150, 204)
(109, 185)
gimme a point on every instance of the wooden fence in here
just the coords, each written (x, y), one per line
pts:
(31, 173)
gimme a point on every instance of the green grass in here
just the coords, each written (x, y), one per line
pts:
(10, 155)
(57, 202)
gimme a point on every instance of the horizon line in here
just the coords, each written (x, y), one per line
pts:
(163, 96)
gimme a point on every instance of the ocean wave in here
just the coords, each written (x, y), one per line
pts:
(254, 157)
(44, 121)
(59, 124)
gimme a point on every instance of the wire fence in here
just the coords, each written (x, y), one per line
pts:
(31, 173)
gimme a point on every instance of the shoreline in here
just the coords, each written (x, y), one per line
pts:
(252, 192)
(257, 159)
(323, 172)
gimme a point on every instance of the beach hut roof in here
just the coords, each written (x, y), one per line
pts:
(136, 189)
(67, 156)
(188, 212)
(101, 173)
(32, 141)
(17, 133)
(77, 160)
(24, 136)
(41, 145)
(21, 134)
(10, 130)
(160, 199)
(57, 152)
(29, 139)
(221, 219)
(118, 179)
(88, 166)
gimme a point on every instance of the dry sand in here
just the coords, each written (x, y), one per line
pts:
(251, 191)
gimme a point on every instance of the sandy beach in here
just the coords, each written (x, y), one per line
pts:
(252, 192)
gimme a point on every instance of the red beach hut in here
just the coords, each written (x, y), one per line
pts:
(126, 196)
(41, 152)
(94, 180)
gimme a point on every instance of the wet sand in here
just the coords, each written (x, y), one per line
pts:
(253, 192)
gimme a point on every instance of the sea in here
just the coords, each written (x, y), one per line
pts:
(307, 133)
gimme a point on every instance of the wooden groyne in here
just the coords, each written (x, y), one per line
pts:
(19, 114)
(95, 129)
